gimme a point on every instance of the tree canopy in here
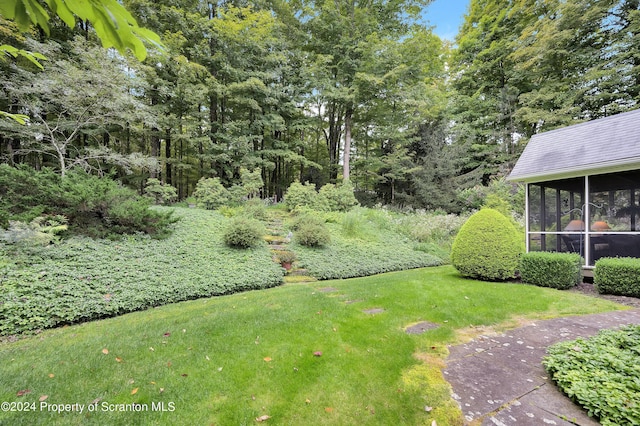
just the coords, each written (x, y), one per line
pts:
(317, 91)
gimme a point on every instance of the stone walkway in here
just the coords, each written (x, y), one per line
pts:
(500, 380)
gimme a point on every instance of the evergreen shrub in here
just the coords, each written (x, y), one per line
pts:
(94, 206)
(299, 195)
(488, 247)
(244, 233)
(338, 197)
(211, 194)
(313, 234)
(555, 270)
(617, 275)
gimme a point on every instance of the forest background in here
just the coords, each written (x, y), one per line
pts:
(319, 91)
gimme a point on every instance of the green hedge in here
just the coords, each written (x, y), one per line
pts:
(555, 270)
(618, 275)
(601, 374)
(488, 247)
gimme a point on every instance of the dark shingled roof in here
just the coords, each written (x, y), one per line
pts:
(605, 145)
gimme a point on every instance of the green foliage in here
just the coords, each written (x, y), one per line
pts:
(82, 279)
(285, 256)
(162, 193)
(302, 196)
(556, 270)
(244, 233)
(338, 197)
(113, 24)
(617, 276)
(487, 247)
(312, 234)
(601, 374)
(94, 206)
(255, 208)
(211, 194)
(251, 182)
(41, 231)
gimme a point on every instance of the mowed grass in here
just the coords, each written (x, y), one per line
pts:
(299, 354)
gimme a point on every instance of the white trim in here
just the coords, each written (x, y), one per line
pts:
(527, 230)
(616, 166)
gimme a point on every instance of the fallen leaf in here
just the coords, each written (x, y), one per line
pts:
(131, 381)
(433, 423)
(151, 349)
(134, 391)
(43, 398)
(219, 368)
(184, 330)
(207, 358)
(169, 364)
(267, 359)
(328, 409)
(96, 401)
(51, 375)
(105, 351)
(262, 418)
(167, 334)
(161, 390)
(184, 375)
(23, 392)
(428, 409)
(118, 359)
(308, 401)
(153, 383)
(317, 353)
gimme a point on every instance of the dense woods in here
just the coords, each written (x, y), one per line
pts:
(318, 91)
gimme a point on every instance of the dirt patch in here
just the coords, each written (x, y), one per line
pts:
(421, 327)
(374, 311)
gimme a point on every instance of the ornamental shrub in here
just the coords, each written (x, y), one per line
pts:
(299, 195)
(162, 193)
(338, 197)
(617, 275)
(555, 270)
(210, 193)
(313, 234)
(244, 233)
(488, 247)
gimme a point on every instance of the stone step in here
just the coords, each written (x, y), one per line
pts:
(277, 247)
(294, 279)
(298, 272)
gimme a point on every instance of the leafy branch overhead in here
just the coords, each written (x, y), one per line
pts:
(114, 25)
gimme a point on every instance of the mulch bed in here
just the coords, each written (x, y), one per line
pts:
(589, 290)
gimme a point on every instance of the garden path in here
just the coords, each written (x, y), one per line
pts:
(278, 239)
(499, 379)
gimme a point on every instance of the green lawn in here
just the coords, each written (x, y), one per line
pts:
(232, 359)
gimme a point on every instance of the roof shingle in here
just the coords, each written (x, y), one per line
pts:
(598, 146)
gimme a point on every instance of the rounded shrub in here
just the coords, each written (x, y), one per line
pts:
(244, 232)
(488, 247)
(313, 234)
(617, 275)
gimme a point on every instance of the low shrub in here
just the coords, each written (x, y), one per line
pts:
(244, 233)
(211, 194)
(488, 247)
(162, 193)
(312, 234)
(94, 206)
(305, 196)
(600, 374)
(338, 197)
(555, 270)
(617, 275)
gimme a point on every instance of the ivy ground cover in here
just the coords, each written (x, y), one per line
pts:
(296, 354)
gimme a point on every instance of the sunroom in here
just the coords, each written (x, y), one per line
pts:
(583, 188)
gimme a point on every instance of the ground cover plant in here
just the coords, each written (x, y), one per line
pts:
(359, 246)
(81, 279)
(298, 354)
(601, 374)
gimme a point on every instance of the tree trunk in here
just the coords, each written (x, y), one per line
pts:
(347, 144)
(167, 155)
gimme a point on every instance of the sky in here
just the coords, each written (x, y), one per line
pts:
(446, 16)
